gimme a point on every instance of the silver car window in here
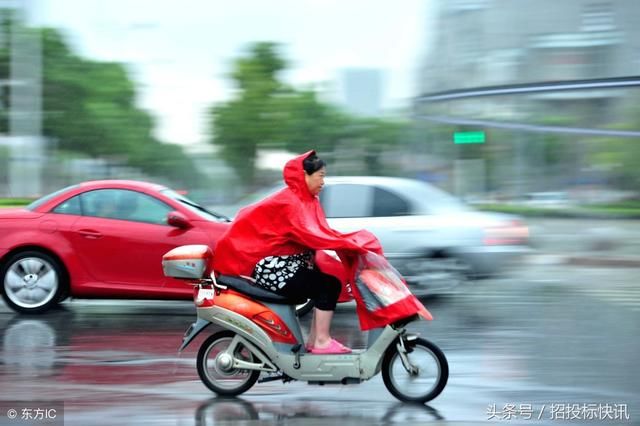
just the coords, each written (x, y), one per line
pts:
(347, 200)
(428, 199)
(386, 203)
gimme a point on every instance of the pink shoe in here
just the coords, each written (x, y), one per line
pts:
(334, 347)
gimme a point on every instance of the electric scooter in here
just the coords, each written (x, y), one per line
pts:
(261, 336)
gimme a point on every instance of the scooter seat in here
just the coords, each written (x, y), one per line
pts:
(246, 286)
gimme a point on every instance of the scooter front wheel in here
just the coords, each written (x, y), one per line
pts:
(214, 369)
(422, 378)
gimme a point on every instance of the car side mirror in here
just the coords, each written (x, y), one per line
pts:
(178, 220)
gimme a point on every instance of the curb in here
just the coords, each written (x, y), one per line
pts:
(589, 261)
(615, 262)
(565, 214)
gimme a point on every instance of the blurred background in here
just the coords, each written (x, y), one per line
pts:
(492, 100)
(524, 107)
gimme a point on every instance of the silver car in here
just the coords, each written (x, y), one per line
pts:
(433, 239)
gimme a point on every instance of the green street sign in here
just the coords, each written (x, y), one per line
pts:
(468, 137)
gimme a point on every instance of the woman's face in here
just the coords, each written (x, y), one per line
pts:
(315, 181)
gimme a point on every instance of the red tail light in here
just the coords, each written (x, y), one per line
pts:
(511, 233)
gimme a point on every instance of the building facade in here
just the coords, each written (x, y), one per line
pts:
(554, 85)
(21, 140)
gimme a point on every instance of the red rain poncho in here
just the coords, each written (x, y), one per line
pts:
(292, 221)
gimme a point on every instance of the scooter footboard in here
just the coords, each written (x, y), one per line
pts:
(321, 368)
(337, 368)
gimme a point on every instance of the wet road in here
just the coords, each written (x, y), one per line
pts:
(549, 341)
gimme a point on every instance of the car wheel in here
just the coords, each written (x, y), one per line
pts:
(33, 282)
(437, 274)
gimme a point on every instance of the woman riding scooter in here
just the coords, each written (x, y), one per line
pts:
(274, 241)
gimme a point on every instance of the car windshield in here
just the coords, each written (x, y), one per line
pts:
(40, 201)
(195, 207)
(431, 200)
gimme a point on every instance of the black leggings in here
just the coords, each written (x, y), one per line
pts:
(313, 284)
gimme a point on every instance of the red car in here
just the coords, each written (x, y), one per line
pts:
(98, 239)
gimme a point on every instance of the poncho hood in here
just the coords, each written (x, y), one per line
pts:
(293, 175)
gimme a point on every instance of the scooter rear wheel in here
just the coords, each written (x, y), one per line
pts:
(429, 380)
(224, 381)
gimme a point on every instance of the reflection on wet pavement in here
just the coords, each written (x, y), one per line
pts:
(220, 411)
(531, 341)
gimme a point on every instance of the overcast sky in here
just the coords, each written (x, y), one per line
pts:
(180, 53)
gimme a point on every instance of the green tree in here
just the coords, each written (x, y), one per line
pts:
(255, 118)
(619, 158)
(313, 124)
(89, 108)
(375, 137)
(266, 113)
